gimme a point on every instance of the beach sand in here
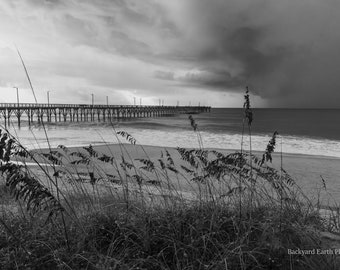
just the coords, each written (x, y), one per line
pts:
(307, 170)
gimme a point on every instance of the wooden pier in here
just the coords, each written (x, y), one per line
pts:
(38, 112)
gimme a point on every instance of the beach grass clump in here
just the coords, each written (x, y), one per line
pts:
(193, 236)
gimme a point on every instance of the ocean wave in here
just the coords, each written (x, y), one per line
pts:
(175, 138)
(286, 144)
(148, 125)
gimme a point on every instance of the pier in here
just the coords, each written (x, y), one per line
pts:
(41, 112)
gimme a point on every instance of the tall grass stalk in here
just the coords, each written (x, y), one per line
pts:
(281, 168)
(48, 142)
(197, 132)
(27, 75)
(248, 117)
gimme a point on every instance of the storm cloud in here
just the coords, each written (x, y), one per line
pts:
(286, 51)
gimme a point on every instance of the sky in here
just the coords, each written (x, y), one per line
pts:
(188, 51)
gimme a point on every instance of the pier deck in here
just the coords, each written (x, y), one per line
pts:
(85, 112)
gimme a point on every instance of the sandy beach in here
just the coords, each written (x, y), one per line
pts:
(307, 170)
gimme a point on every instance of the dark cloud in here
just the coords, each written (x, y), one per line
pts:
(77, 31)
(286, 51)
(217, 79)
(164, 75)
(51, 5)
(129, 46)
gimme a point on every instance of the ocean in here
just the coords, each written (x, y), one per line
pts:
(301, 131)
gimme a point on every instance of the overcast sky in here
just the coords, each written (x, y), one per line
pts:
(207, 51)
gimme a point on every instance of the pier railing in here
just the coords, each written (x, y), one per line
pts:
(54, 105)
